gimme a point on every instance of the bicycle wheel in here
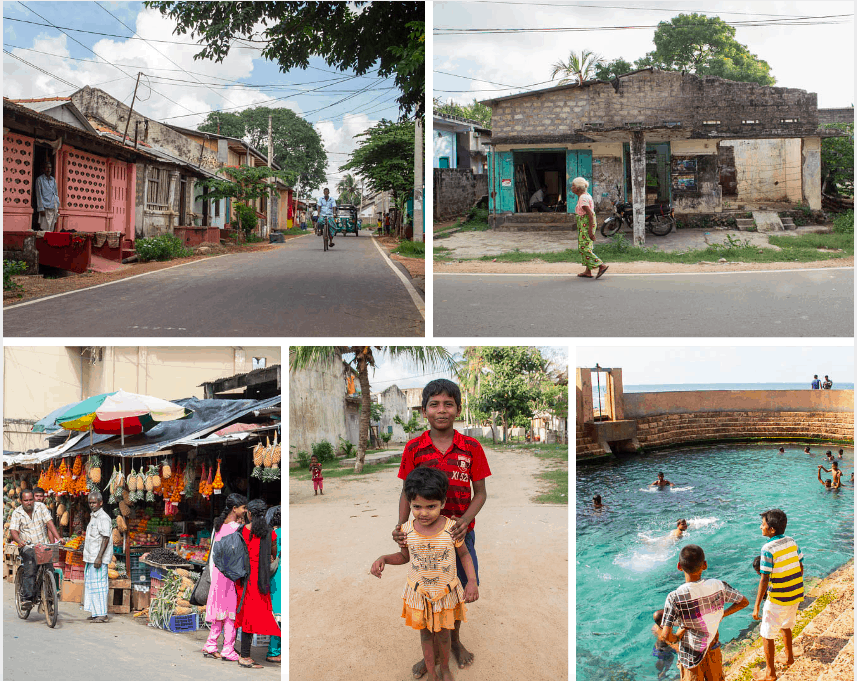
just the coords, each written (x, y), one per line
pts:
(23, 612)
(324, 234)
(50, 602)
(611, 226)
(661, 225)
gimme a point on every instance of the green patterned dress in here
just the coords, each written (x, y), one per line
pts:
(584, 243)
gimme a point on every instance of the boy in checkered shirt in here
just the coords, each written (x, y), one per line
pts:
(697, 608)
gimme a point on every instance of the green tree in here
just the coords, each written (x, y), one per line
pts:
(705, 46)
(475, 111)
(353, 36)
(297, 145)
(385, 158)
(348, 191)
(578, 67)
(608, 70)
(428, 358)
(413, 425)
(837, 161)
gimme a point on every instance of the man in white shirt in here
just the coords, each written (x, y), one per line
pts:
(326, 209)
(47, 199)
(537, 201)
(97, 551)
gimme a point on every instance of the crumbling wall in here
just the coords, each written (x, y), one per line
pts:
(456, 190)
(767, 169)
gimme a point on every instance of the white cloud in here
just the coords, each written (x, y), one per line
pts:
(339, 141)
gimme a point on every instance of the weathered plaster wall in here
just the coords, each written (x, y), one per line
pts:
(811, 175)
(639, 405)
(702, 107)
(456, 191)
(316, 406)
(395, 403)
(768, 169)
(444, 145)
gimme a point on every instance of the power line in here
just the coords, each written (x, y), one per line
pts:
(24, 61)
(633, 9)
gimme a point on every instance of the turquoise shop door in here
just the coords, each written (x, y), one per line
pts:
(578, 163)
(501, 175)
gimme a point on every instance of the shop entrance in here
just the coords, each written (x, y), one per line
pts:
(536, 169)
(41, 153)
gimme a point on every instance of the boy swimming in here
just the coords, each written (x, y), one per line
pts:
(680, 528)
(697, 607)
(665, 652)
(781, 567)
(463, 461)
(837, 473)
(660, 482)
(828, 483)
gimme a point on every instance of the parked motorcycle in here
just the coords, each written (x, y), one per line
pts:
(660, 220)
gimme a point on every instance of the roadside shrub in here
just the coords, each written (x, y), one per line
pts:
(303, 459)
(246, 218)
(323, 451)
(10, 269)
(411, 249)
(162, 247)
(843, 223)
(347, 447)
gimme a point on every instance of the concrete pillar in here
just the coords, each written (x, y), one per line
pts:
(584, 397)
(615, 403)
(638, 186)
(811, 171)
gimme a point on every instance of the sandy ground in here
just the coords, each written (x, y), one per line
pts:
(38, 287)
(345, 624)
(467, 245)
(416, 266)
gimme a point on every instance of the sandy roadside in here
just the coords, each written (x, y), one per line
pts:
(345, 623)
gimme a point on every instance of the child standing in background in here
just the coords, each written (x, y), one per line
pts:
(317, 477)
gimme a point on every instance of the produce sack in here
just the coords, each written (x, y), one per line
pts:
(200, 591)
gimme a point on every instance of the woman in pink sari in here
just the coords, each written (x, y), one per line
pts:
(222, 604)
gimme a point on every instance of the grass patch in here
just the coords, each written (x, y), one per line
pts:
(294, 231)
(802, 248)
(843, 223)
(442, 254)
(555, 457)
(558, 491)
(411, 249)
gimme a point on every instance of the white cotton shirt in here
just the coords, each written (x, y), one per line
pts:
(100, 526)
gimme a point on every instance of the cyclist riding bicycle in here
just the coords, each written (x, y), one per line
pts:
(30, 524)
(326, 210)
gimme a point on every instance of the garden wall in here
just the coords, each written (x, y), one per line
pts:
(456, 191)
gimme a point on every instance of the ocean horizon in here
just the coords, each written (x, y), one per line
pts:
(683, 387)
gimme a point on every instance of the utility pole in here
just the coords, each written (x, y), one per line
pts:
(271, 179)
(419, 226)
(139, 73)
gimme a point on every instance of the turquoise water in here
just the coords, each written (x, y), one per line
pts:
(626, 563)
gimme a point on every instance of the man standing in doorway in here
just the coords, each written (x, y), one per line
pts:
(47, 199)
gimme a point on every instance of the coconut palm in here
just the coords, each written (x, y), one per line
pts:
(579, 67)
(348, 191)
(429, 358)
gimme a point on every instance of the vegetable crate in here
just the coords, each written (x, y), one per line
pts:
(74, 572)
(139, 571)
(72, 558)
(157, 574)
(182, 623)
(155, 587)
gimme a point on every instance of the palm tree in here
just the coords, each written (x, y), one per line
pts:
(429, 358)
(348, 191)
(578, 67)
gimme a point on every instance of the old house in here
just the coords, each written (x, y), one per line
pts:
(395, 403)
(460, 164)
(95, 180)
(704, 143)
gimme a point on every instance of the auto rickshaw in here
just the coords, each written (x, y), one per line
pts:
(347, 222)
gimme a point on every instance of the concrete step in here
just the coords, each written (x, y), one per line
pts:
(816, 652)
(536, 227)
(788, 223)
(745, 224)
(842, 667)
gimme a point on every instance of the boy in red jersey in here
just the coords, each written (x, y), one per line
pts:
(463, 461)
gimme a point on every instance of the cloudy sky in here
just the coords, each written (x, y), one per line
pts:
(406, 375)
(58, 66)
(818, 57)
(702, 364)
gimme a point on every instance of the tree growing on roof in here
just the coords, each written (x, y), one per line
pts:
(578, 67)
(297, 144)
(353, 36)
(475, 111)
(429, 358)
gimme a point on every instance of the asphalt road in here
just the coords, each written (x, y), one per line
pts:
(818, 302)
(123, 647)
(294, 290)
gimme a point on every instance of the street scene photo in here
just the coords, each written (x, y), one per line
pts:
(428, 512)
(715, 513)
(141, 508)
(218, 169)
(592, 163)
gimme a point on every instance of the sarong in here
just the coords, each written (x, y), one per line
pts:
(95, 589)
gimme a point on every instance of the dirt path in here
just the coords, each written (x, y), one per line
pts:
(345, 624)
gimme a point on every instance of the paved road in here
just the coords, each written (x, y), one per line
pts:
(294, 290)
(804, 303)
(124, 647)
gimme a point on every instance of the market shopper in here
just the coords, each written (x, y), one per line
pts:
(274, 647)
(97, 551)
(30, 524)
(222, 603)
(255, 614)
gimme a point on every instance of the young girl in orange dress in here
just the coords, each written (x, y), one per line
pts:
(433, 598)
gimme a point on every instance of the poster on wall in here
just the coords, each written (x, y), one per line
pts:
(684, 165)
(684, 182)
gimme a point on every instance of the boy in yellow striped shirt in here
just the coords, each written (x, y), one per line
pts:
(781, 570)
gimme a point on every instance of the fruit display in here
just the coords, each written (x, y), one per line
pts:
(266, 460)
(196, 554)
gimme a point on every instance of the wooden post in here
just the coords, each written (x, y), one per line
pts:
(131, 110)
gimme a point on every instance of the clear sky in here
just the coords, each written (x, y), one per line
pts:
(817, 57)
(702, 364)
(405, 375)
(207, 88)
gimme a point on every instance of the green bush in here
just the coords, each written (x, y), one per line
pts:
(411, 249)
(163, 247)
(246, 217)
(347, 447)
(843, 223)
(10, 269)
(303, 459)
(323, 451)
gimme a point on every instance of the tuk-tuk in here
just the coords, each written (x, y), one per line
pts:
(347, 221)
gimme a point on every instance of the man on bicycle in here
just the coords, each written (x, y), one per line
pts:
(326, 210)
(30, 524)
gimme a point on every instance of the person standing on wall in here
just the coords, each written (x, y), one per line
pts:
(816, 384)
(47, 199)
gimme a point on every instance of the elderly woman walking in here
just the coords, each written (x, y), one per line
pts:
(222, 605)
(255, 614)
(585, 212)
